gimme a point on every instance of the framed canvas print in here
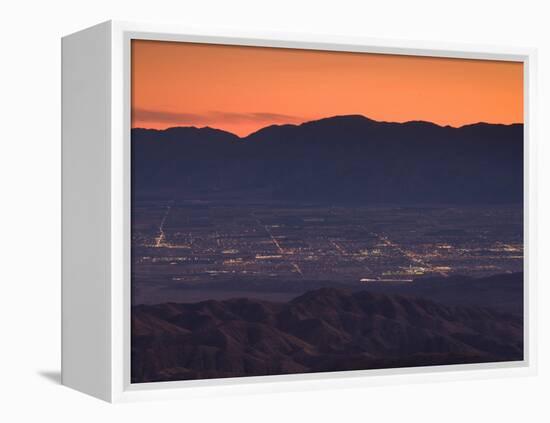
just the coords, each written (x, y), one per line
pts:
(268, 212)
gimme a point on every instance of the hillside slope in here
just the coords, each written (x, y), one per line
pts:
(322, 330)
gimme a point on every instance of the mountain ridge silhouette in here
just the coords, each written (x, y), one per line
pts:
(358, 116)
(332, 160)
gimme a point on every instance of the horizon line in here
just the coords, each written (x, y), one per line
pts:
(326, 118)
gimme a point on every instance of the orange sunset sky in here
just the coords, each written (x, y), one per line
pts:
(242, 89)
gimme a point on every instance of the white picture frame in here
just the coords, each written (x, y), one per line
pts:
(96, 213)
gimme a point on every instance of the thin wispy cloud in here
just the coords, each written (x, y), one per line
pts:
(211, 117)
(163, 116)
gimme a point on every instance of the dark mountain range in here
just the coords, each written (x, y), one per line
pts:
(500, 292)
(323, 330)
(349, 159)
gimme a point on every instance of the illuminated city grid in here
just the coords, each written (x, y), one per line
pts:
(195, 243)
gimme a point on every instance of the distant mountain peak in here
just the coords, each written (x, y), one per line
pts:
(344, 118)
(339, 120)
(202, 129)
(490, 125)
(424, 123)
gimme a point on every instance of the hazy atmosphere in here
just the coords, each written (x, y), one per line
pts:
(299, 211)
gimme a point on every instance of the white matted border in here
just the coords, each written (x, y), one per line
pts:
(121, 389)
